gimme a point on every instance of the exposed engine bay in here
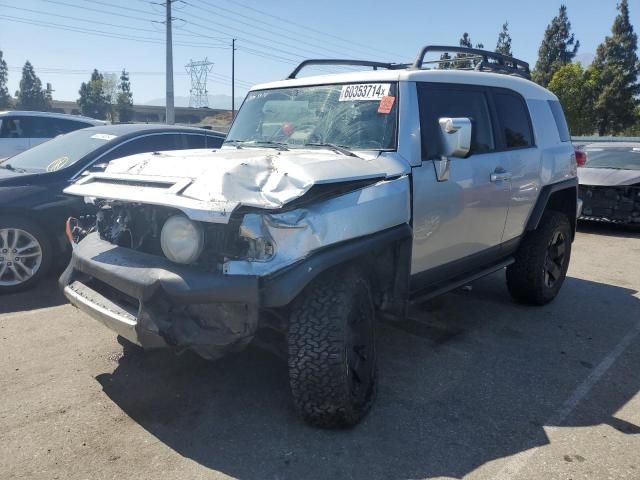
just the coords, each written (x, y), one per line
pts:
(139, 227)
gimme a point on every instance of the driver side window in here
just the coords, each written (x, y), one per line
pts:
(437, 101)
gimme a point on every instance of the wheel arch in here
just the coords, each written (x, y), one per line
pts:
(561, 197)
(385, 257)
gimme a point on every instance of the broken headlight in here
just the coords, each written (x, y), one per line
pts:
(181, 239)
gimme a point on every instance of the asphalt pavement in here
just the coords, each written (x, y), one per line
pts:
(471, 386)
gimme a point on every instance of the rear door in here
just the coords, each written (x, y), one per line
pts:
(14, 135)
(460, 219)
(523, 163)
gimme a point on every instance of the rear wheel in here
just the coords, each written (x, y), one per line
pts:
(542, 261)
(25, 254)
(331, 350)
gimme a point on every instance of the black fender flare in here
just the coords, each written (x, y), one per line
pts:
(543, 199)
(280, 288)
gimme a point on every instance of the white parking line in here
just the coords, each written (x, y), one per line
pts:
(519, 461)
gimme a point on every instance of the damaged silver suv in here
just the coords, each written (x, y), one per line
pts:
(334, 199)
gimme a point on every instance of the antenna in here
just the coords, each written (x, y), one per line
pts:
(198, 71)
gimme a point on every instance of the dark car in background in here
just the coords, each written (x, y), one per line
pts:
(33, 209)
(610, 182)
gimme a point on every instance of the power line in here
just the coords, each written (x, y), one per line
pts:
(225, 79)
(308, 29)
(93, 22)
(100, 33)
(280, 34)
(230, 34)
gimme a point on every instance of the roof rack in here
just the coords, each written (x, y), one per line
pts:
(481, 60)
(484, 60)
(338, 61)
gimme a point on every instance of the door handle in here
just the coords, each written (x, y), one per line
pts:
(500, 175)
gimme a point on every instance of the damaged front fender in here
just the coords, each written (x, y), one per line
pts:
(295, 234)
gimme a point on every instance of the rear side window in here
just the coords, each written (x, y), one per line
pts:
(437, 102)
(514, 119)
(147, 143)
(561, 122)
(43, 127)
(15, 127)
(214, 142)
(66, 126)
(194, 141)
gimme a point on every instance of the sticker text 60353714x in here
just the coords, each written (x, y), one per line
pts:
(364, 91)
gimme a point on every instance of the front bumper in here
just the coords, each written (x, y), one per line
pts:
(614, 204)
(155, 303)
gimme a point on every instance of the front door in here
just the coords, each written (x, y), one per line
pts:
(461, 218)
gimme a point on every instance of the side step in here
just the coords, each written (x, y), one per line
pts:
(422, 296)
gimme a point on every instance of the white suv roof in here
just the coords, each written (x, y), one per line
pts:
(64, 116)
(470, 66)
(526, 88)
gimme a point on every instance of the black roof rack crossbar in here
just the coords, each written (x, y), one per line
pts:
(488, 61)
(339, 61)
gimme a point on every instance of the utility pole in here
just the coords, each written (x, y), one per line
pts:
(233, 78)
(170, 115)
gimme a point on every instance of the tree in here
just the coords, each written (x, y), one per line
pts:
(93, 101)
(5, 98)
(465, 41)
(576, 89)
(558, 48)
(31, 96)
(124, 103)
(617, 61)
(504, 41)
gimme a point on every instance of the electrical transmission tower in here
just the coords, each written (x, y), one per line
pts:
(198, 72)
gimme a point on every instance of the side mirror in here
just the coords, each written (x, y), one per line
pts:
(456, 136)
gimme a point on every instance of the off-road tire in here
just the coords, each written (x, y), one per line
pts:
(322, 346)
(527, 277)
(45, 246)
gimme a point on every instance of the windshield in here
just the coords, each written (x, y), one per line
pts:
(57, 153)
(624, 158)
(354, 116)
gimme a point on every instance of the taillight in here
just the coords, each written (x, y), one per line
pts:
(581, 157)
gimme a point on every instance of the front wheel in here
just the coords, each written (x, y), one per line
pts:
(542, 261)
(331, 350)
(25, 254)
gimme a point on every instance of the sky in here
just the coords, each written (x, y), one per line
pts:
(66, 39)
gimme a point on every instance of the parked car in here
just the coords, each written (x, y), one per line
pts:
(33, 209)
(333, 199)
(610, 182)
(20, 131)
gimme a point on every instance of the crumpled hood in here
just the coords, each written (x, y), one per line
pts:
(208, 185)
(607, 177)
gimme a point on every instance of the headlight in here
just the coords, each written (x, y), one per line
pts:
(181, 239)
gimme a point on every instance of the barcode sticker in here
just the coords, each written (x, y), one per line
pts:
(364, 91)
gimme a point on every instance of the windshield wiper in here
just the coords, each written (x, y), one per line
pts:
(8, 166)
(258, 143)
(338, 148)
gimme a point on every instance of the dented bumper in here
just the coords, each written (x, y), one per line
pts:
(155, 303)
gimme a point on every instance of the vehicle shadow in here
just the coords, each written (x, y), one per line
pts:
(469, 379)
(45, 294)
